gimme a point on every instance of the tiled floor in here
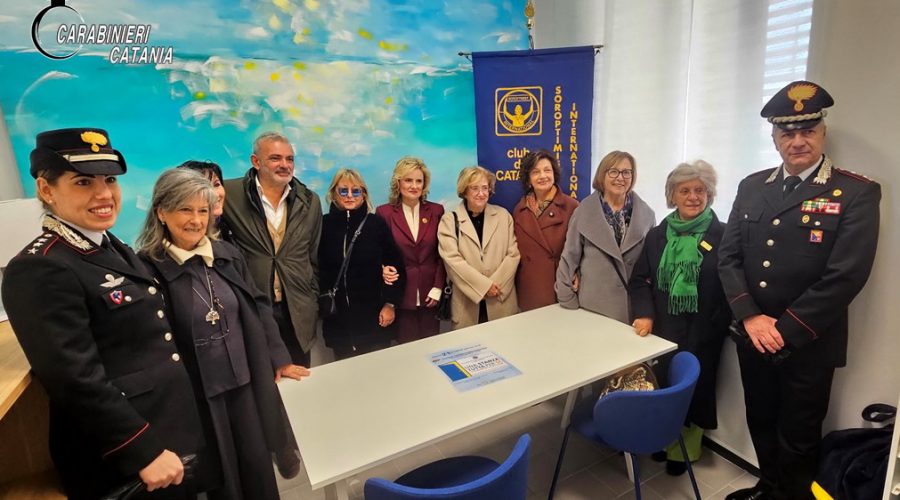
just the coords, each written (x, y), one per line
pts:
(588, 472)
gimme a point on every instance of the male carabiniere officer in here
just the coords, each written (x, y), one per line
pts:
(798, 247)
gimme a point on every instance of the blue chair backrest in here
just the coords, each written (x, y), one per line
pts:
(642, 422)
(509, 481)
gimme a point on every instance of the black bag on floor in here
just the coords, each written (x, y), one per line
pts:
(853, 463)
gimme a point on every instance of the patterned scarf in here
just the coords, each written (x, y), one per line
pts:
(679, 266)
(538, 207)
(618, 219)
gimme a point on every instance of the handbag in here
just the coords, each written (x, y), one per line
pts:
(853, 463)
(444, 311)
(327, 302)
(132, 488)
(639, 377)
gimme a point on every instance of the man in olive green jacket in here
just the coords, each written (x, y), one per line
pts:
(276, 222)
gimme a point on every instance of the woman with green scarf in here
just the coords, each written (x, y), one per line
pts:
(676, 294)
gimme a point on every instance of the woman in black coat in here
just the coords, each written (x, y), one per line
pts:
(365, 303)
(91, 321)
(224, 329)
(676, 293)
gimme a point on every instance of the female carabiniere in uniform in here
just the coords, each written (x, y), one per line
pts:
(92, 324)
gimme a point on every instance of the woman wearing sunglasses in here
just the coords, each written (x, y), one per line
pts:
(604, 240)
(365, 304)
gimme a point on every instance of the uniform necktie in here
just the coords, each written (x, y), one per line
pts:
(790, 182)
(107, 245)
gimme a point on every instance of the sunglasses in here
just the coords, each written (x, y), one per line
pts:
(355, 192)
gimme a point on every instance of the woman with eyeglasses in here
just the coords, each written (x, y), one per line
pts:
(365, 303)
(676, 294)
(228, 341)
(477, 241)
(605, 238)
(542, 219)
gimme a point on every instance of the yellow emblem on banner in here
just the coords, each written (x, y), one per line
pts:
(517, 111)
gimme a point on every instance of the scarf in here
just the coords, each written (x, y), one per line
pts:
(618, 219)
(679, 266)
(538, 207)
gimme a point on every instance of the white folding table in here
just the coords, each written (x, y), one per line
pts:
(355, 414)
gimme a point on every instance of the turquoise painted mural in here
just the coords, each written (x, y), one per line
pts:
(355, 83)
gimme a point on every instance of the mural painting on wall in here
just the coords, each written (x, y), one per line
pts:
(355, 83)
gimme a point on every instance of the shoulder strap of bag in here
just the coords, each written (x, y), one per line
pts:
(879, 412)
(346, 261)
(456, 224)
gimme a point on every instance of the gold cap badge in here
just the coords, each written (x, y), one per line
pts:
(95, 139)
(801, 92)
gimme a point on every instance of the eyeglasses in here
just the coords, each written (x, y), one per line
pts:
(355, 192)
(479, 189)
(613, 173)
(700, 191)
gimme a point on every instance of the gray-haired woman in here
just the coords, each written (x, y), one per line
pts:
(224, 330)
(676, 293)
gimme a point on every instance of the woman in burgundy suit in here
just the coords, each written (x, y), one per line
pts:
(542, 219)
(414, 223)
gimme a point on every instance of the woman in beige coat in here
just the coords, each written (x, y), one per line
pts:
(605, 238)
(478, 245)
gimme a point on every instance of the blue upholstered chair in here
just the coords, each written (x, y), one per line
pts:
(460, 478)
(639, 422)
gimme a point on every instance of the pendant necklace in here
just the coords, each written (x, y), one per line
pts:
(213, 315)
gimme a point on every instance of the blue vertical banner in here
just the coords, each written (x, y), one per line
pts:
(532, 99)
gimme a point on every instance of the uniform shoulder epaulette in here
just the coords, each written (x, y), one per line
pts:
(762, 173)
(68, 235)
(853, 175)
(41, 244)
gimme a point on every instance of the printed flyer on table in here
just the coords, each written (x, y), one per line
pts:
(472, 366)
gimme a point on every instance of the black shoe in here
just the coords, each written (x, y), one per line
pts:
(659, 456)
(675, 468)
(754, 493)
(288, 462)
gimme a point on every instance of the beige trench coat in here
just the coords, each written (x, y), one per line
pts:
(472, 268)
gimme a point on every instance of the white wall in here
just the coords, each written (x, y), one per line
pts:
(10, 185)
(568, 23)
(855, 54)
